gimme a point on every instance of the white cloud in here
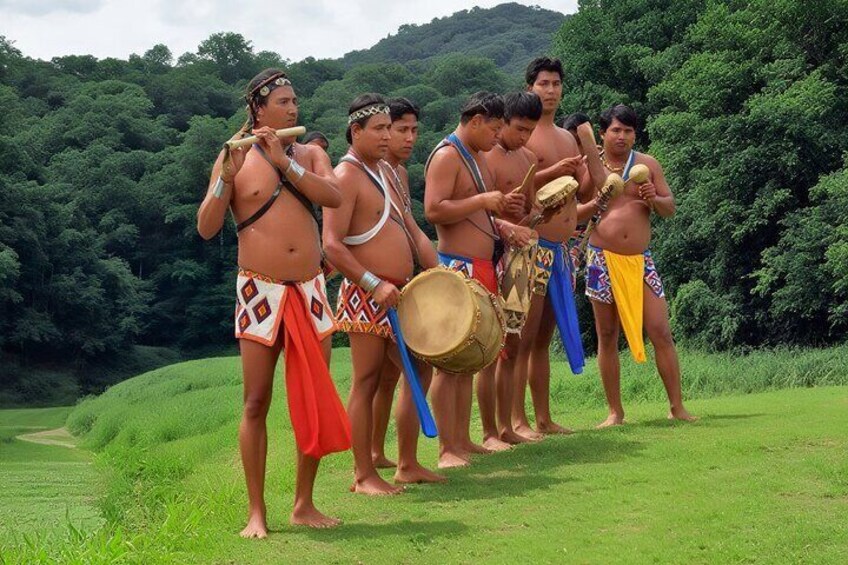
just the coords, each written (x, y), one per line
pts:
(296, 30)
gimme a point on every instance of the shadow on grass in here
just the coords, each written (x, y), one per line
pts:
(411, 529)
(710, 420)
(529, 467)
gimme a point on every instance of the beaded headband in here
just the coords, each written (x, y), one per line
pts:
(367, 112)
(265, 88)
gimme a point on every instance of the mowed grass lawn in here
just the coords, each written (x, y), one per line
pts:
(761, 478)
(43, 486)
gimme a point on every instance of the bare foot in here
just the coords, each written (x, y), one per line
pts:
(374, 486)
(474, 449)
(449, 460)
(612, 420)
(418, 474)
(308, 515)
(382, 462)
(550, 428)
(514, 438)
(495, 444)
(681, 414)
(256, 526)
(525, 431)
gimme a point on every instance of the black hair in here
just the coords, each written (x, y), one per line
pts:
(254, 98)
(313, 135)
(399, 107)
(622, 113)
(487, 104)
(540, 64)
(522, 105)
(360, 102)
(571, 121)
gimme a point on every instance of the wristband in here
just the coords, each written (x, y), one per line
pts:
(296, 169)
(218, 189)
(369, 281)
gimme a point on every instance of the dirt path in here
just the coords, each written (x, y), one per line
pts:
(60, 437)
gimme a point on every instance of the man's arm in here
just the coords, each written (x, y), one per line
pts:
(439, 207)
(336, 228)
(320, 186)
(657, 192)
(219, 194)
(426, 252)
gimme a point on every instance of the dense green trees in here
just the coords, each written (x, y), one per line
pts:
(746, 107)
(103, 163)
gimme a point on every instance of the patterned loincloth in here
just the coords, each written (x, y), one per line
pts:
(259, 300)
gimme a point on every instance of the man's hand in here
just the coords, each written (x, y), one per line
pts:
(272, 146)
(569, 166)
(233, 160)
(647, 191)
(514, 204)
(386, 295)
(520, 236)
(493, 201)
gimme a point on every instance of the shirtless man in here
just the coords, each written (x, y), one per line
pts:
(509, 163)
(622, 239)
(558, 155)
(270, 188)
(372, 232)
(458, 201)
(404, 132)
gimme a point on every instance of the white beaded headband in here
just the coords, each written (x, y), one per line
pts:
(367, 112)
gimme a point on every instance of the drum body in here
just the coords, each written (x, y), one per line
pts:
(451, 321)
(517, 285)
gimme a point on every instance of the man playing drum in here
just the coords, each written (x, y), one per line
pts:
(457, 200)
(621, 279)
(509, 163)
(281, 298)
(558, 156)
(370, 239)
(403, 132)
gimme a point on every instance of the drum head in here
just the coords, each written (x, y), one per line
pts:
(436, 312)
(557, 190)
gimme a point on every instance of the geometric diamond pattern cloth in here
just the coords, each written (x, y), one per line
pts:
(357, 312)
(259, 302)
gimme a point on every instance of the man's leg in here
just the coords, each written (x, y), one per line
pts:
(486, 400)
(258, 363)
(368, 353)
(445, 399)
(304, 512)
(540, 373)
(520, 423)
(505, 386)
(464, 401)
(409, 470)
(389, 375)
(659, 332)
(607, 327)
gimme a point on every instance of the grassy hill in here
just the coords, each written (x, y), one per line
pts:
(509, 34)
(761, 478)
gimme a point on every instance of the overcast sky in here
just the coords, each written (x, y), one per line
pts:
(319, 28)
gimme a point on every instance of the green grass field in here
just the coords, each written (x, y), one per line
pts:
(762, 478)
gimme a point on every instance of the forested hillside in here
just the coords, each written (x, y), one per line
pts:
(103, 164)
(508, 34)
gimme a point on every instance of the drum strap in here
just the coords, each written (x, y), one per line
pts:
(380, 183)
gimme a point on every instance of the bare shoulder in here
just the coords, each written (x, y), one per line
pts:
(648, 160)
(349, 176)
(530, 155)
(444, 159)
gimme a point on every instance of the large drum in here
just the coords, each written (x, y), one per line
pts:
(451, 321)
(517, 285)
